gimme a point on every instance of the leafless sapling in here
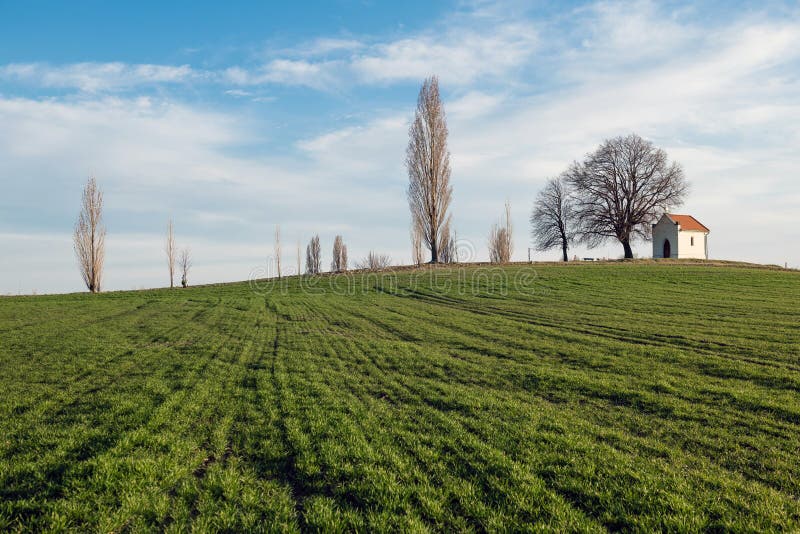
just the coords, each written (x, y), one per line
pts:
(374, 262)
(501, 240)
(299, 272)
(185, 263)
(416, 243)
(339, 262)
(169, 248)
(447, 249)
(90, 236)
(278, 249)
(313, 256)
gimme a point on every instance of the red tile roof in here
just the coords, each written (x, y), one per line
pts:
(687, 222)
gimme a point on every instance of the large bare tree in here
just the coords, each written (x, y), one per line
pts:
(622, 188)
(552, 220)
(314, 256)
(428, 164)
(90, 236)
(171, 251)
(500, 239)
(339, 262)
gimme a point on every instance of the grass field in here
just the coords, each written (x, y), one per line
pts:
(587, 397)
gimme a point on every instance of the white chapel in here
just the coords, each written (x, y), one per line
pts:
(680, 236)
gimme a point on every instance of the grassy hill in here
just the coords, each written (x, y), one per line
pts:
(585, 397)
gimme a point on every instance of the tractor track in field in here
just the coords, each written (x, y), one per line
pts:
(598, 331)
(288, 472)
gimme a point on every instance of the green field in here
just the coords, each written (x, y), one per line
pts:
(587, 397)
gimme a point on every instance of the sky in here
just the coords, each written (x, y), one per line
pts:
(232, 118)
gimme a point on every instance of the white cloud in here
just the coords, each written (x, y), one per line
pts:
(317, 75)
(627, 32)
(151, 156)
(461, 51)
(238, 93)
(461, 54)
(297, 73)
(323, 46)
(94, 77)
(253, 97)
(473, 104)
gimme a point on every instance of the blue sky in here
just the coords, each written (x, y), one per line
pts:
(232, 118)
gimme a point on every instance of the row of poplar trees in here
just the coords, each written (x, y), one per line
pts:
(616, 192)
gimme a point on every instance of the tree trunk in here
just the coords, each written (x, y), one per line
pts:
(564, 251)
(626, 244)
(434, 253)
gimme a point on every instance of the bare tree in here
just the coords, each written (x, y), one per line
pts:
(299, 272)
(169, 248)
(428, 164)
(552, 220)
(339, 263)
(278, 249)
(374, 261)
(621, 189)
(447, 249)
(416, 243)
(185, 263)
(90, 236)
(500, 239)
(313, 256)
